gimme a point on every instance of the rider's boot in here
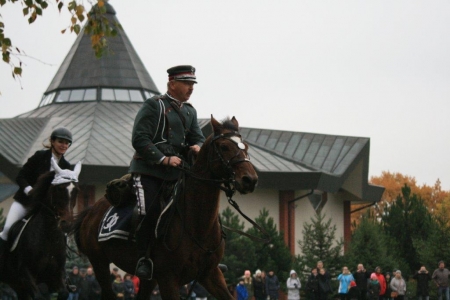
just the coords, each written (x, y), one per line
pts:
(144, 268)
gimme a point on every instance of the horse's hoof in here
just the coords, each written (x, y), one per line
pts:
(223, 268)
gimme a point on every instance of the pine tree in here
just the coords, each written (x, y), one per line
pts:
(370, 246)
(239, 250)
(274, 255)
(319, 243)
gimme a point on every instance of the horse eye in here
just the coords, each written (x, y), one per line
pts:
(224, 147)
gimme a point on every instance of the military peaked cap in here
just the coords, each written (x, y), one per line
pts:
(182, 73)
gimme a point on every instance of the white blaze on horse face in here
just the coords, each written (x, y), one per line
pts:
(238, 142)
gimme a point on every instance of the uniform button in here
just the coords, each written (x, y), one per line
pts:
(188, 113)
(170, 128)
(153, 152)
(171, 135)
(182, 144)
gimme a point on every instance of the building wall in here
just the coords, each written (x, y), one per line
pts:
(252, 204)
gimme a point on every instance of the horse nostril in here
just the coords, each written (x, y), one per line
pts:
(248, 181)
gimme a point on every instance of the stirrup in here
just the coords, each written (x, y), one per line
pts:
(146, 263)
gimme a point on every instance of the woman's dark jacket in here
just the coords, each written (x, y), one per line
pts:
(259, 288)
(423, 280)
(36, 165)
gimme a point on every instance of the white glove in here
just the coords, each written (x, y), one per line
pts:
(27, 190)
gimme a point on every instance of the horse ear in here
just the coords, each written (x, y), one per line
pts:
(77, 168)
(55, 166)
(217, 127)
(235, 122)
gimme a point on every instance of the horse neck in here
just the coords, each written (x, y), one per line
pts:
(202, 201)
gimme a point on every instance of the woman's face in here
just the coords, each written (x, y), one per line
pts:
(60, 145)
(398, 275)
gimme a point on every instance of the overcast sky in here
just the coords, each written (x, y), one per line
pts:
(377, 69)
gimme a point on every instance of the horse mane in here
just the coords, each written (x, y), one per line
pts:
(228, 124)
(42, 185)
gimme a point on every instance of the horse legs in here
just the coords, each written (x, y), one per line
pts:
(101, 268)
(215, 284)
(145, 289)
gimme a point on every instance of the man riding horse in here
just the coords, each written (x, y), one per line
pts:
(164, 126)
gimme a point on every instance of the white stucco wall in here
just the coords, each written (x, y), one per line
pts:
(252, 204)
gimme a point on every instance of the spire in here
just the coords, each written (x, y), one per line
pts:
(117, 76)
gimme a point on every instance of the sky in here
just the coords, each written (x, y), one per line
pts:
(377, 68)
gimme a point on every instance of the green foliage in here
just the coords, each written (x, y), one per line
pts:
(370, 245)
(239, 250)
(274, 256)
(409, 223)
(97, 26)
(320, 243)
(242, 254)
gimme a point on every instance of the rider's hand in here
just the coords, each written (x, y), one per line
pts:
(195, 148)
(172, 161)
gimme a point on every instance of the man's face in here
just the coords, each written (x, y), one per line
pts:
(319, 265)
(89, 271)
(181, 90)
(314, 271)
(360, 267)
(378, 270)
(75, 271)
(441, 265)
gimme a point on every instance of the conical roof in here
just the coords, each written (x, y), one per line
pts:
(120, 69)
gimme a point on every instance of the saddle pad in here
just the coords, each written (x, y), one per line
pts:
(17, 238)
(116, 223)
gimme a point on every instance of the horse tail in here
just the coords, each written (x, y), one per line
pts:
(76, 225)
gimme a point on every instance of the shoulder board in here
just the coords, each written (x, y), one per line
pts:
(157, 97)
(187, 103)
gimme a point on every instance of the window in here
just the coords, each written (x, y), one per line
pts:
(76, 95)
(136, 96)
(90, 95)
(63, 96)
(108, 94)
(122, 95)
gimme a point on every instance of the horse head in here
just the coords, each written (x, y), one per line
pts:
(63, 193)
(227, 156)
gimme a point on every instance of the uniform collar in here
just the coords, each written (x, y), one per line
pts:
(178, 102)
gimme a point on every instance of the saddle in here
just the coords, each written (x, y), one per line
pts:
(122, 220)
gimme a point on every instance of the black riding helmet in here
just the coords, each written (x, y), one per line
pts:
(62, 133)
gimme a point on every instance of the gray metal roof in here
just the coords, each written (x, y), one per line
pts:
(122, 68)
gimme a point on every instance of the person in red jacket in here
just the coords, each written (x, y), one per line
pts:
(382, 282)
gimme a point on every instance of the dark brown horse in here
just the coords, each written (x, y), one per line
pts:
(39, 255)
(193, 244)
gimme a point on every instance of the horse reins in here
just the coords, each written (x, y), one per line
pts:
(228, 186)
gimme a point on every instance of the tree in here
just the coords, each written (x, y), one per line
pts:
(408, 221)
(239, 250)
(97, 25)
(275, 255)
(319, 243)
(433, 196)
(371, 246)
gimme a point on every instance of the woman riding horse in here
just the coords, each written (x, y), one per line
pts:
(192, 243)
(37, 244)
(38, 164)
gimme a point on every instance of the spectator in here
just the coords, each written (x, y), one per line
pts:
(423, 277)
(241, 290)
(129, 287)
(353, 292)
(259, 286)
(398, 285)
(320, 266)
(344, 283)
(184, 290)
(382, 282)
(293, 286)
(361, 277)
(440, 277)
(83, 286)
(373, 287)
(312, 285)
(248, 283)
(200, 292)
(324, 284)
(94, 286)
(74, 281)
(113, 274)
(118, 288)
(156, 295)
(272, 286)
(387, 293)
(136, 282)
